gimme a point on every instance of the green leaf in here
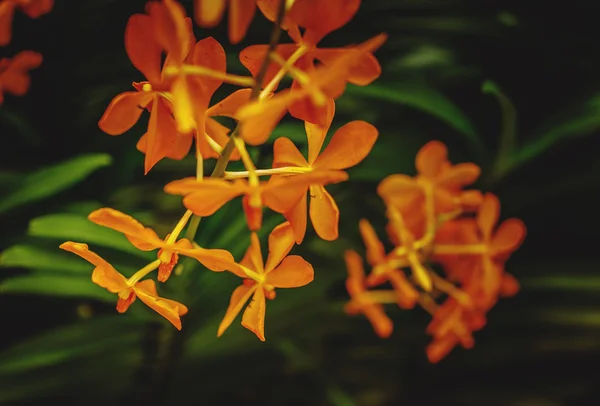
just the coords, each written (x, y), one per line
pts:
(73, 227)
(586, 122)
(420, 96)
(508, 135)
(49, 181)
(64, 343)
(28, 256)
(578, 283)
(56, 285)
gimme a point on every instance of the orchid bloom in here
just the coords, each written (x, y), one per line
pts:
(362, 301)
(386, 268)
(348, 146)
(209, 13)
(14, 73)
(280, 194)
(438, 176)
(178, 102)
(33, 9)
(146, 239)
(261, 279)
(127, 290)
(485, 250)
(318, 19)
(315, 88)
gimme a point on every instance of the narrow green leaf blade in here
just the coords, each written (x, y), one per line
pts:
(29, 256)
(56, 285)
(74, 227)
(49, 181)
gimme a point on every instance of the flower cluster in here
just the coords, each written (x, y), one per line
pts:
(448, 253)
(181, 75)
(14, 72)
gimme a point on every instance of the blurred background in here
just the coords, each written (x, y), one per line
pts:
(465, 72)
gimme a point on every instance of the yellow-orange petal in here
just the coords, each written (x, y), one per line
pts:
(143, 51)
(509, 235)
(293, 272)
(382, 325)
(363, 71)
(217, 260)
(324, 213)
(282, 193)
(184, 109)
(254, 315)
(509, 285)
(253, 258)
(170, 28)
(440, 347)
(124, 111)
(281, 242)
(241, 13)
(258, 119)
(348, 146)
(285, 153)
(431, 158)
(488, 215)
(211, 195)
(209, 53)
(458, 176)
(397, 186)
(104, 274)
(239, 297)
(322, 17)
(316, 133)
(298, 218)
(143, 238)
(229, 106)
(169, 309)
(374, 246)
(220, 134)
(253, 56)
(407, 295)
(161, 134)
(208, 13)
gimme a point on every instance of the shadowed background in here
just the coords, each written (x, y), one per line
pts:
(62, 340)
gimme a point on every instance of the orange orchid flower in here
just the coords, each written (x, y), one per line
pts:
(452, 324)
(14, 73)
(146, 239)
(33, 9)
(318, 18)
(109, 278)
(312, 91)
(386, 268)
(279, 194)
(178, 103)
(348, 146)
(360, 301)
(209, 13)
(475, 254)
(436, 175)
(260, 279)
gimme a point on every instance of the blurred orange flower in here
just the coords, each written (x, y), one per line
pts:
(33, 9)
(14, 73)
(208, 13)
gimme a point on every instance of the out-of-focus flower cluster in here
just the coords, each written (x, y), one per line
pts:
(14, 72)
(448, 253)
